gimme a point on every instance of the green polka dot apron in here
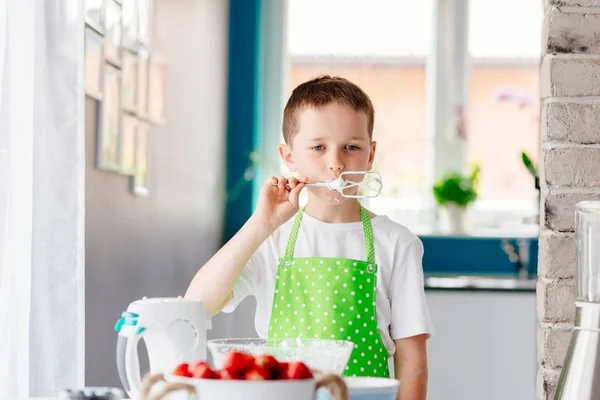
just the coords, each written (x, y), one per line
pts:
(331, 298)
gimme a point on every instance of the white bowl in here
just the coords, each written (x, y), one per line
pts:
(372, 388)
(217, 389)
(328, 356)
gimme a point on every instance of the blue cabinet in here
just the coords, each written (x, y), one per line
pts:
(473, 255)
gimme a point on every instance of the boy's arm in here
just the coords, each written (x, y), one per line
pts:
(214, 282)
(410, 361)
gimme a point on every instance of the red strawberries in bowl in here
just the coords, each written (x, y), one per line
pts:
(243, 366)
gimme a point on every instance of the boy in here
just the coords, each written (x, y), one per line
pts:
(335, 270)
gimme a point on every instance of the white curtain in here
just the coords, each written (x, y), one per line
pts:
(41, 197)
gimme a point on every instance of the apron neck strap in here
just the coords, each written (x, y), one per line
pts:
(368, 230)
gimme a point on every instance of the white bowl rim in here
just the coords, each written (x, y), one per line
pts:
(200, 381)
(371, 386)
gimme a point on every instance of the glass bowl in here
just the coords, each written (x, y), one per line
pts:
(328, 356)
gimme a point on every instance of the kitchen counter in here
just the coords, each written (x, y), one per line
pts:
(479, 283)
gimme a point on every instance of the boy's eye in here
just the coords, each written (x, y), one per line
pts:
(352, 147)
(318, 147)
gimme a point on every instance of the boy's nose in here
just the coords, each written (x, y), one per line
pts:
(336, 163)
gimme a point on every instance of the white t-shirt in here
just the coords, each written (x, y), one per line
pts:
(401, 307)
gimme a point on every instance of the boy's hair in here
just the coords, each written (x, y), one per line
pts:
(321, 91)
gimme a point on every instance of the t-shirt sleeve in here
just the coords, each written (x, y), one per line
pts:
(409, 312)
(248, 282)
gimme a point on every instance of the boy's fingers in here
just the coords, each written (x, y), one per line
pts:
(272, 181)
(304, 179)
(295, 194)
(293, 182)
(282, 182)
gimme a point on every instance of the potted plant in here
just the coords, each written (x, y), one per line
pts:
(533, 171)
(454, 192)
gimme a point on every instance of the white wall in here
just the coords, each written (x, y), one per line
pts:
(193, 36)
(152, 247)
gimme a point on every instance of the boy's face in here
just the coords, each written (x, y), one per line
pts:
(330, 140)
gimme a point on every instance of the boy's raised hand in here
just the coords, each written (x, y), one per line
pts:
(279, 200)
(214, 282)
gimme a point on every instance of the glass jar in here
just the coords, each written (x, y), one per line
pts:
(587, 221)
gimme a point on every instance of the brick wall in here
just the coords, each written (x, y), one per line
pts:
(570, 168)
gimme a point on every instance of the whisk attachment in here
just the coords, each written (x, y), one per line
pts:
(354, 184)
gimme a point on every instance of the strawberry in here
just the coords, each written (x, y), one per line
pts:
(182, 369)
(224, 374)
(281, 372)
(202, 370)
(257, 374)
(236, 363)
(267, 362)
(298, 370)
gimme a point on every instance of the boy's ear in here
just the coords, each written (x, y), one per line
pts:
(372, 155)
(285, 152)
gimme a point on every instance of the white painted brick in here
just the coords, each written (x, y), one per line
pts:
(578, 167)
(571, 33)
(556, 301)
(571, 122)
(547, 380)
(575, 3)
(570, 76)
(559, 208)
(553, 344)
(557, 257)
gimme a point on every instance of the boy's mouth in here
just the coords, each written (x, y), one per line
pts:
(332, 178)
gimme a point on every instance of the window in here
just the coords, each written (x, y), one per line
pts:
(504, 100)
(384, 46)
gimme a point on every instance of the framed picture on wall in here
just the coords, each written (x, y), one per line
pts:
(157, 74)
(109, 120)
(140, 179)
(142, 84)
(130, 24)
(127, 146)
(129, 77)
(94, 62)
(93, 11)
(112, 44)
(144, 21)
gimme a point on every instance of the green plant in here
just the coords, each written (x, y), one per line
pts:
(457, 188)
